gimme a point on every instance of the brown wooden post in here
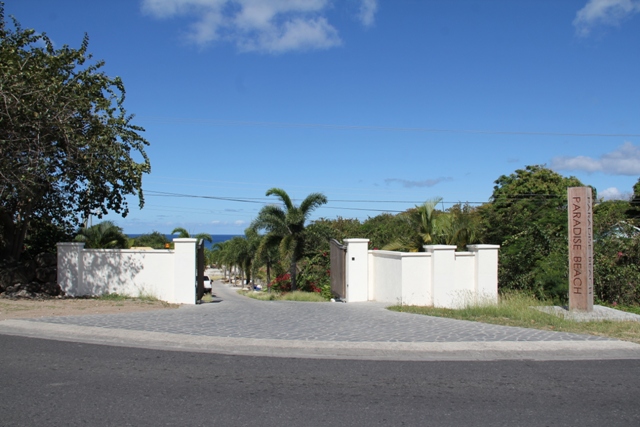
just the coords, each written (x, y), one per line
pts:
(580, 203)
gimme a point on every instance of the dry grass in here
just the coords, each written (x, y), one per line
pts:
(515, 310)
(24, 308)
(287, 296)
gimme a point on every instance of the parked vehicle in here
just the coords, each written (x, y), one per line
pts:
(207, 284)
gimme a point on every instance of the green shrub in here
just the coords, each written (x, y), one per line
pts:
(316, 275)
(617, 270)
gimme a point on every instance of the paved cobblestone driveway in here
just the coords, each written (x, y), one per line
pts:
(241, 317)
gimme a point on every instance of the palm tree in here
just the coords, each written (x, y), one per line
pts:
(251, 261)
(286, 226)
(268, 256)
(104, 235)
(424, 219)
(237, 255)
(219, 256)
(460, 227)
(183, 233)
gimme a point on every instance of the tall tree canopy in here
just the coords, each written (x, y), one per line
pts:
(68, 148)
(527, 216)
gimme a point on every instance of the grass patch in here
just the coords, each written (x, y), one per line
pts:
(118, 297)
(286, 296)
(515, 310)
(628, 308)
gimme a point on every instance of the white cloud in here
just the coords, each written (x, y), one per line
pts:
(603, 12)
(368, 9)
(613, 193)
(297, 34)
(420, 184)
(272, 26)
(240, 222)
(625, 160)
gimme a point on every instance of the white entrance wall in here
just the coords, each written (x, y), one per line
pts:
(439, 277)
(168, 275)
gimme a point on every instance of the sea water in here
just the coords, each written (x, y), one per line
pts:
(217, 238)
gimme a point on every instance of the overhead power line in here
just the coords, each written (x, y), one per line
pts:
(213, 122)
(265, 200)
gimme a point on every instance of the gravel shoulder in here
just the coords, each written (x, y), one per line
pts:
(29, 309)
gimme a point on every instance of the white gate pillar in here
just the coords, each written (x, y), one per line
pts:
(486, 272)
(184, 280)
(445, 292)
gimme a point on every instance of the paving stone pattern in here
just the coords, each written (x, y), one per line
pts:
(242, 317)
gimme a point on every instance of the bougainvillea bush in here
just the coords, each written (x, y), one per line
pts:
(316, 274)
(281, 283)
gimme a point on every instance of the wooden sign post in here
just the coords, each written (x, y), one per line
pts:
(580, 202)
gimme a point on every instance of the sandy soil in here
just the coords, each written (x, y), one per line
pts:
(20, 309)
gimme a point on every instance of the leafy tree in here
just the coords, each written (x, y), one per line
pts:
(68, 148)
(459, 226)
(385, 228)
(527, 216)
(286, 225)
(155, 240)
(425, 228)
(616, 266)
(104, 235)
(608, 214)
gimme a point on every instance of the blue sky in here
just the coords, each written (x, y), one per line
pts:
(378, 104)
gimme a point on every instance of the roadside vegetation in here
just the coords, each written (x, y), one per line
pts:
(284, 296)
(517, 309)
(526, 215)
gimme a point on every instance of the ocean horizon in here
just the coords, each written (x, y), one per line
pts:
(217, 238)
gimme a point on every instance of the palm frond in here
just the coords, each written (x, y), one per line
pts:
(282, 195)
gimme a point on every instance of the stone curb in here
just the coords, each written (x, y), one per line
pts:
(399, 351)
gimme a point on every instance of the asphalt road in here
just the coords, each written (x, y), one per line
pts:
(51, 383)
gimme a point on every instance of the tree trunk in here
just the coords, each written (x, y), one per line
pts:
(269, 276)
(14, 235)
(294, 270)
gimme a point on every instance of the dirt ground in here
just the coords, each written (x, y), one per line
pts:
(21, 309)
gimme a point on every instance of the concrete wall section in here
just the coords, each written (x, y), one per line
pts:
(440, 276)
(416, 283)
(168, 275)
(462, 290)
(127, 272)
(386, 276)
(486, 272)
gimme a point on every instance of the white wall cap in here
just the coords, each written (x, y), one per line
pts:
(481, 247)
(185, 240)
(70, 244)
(356, 240)
(431, 248)
(415, 254)
(462, 254)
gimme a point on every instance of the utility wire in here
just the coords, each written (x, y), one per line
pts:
(213, 122)
(264, 200)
